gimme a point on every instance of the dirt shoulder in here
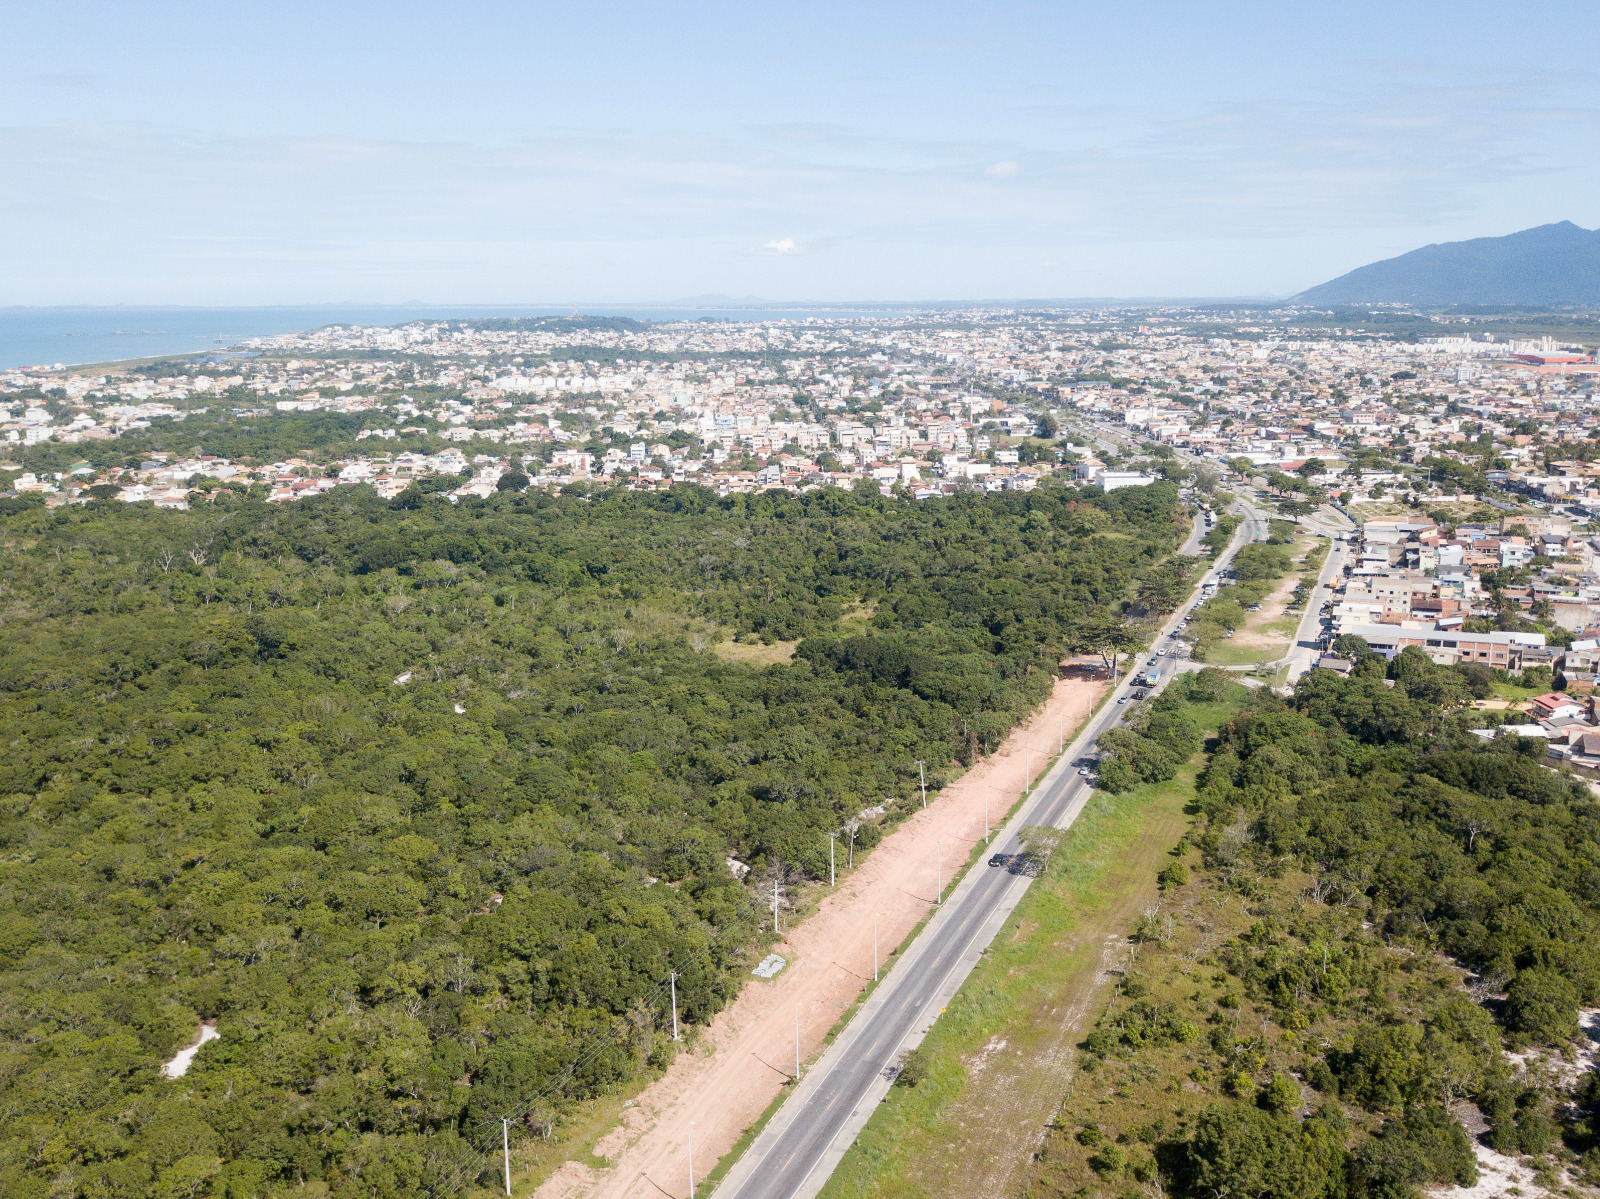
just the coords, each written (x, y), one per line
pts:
(742, 1061)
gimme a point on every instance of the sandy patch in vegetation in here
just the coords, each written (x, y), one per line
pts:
(1498, 1175)
(753, 653)
(1503, 1175)
(741, 1062)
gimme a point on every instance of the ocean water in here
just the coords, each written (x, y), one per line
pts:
(75, 336)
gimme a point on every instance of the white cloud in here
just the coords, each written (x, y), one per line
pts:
(781, 246)
(1004, 169)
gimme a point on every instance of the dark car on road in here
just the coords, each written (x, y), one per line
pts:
(1017, 863)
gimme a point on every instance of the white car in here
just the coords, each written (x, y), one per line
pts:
(1123, 700)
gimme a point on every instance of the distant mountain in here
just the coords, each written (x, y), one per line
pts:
(1548, 265)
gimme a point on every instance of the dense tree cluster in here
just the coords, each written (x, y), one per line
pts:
(420, 802)
(1151, 744)
(1398, 902)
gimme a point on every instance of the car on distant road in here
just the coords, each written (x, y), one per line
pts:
(1123, 700)
(1138, 695)
(1083, 771)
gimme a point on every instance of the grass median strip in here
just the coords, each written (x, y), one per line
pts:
(979, 852)
(993, 1069)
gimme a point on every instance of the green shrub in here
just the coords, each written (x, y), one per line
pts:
(914, 1065)
(1543, 1005)
(1281, 1094)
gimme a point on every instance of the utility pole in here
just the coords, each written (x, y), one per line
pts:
(1027, 775)
(672, 981)
(797, 1042)
(986, 816)
(691, 1159)
(874, 948)
(505, 1145)
(938, 876)
(922, 781)
(831, 838)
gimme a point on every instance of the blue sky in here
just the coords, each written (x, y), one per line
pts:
(519, 152)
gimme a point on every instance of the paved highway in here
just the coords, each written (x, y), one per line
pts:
(799, 1148)
(1303, 653)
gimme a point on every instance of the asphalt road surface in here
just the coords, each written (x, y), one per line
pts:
(799, 1148)
(1304, 653)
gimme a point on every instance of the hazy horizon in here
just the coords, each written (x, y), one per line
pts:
(180, 154)
(564, 307)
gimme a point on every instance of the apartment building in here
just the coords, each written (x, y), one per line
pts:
(1501, 651)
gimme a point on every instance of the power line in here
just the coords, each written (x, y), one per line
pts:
(471, 1161)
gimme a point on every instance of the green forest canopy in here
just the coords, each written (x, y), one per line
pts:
(1384, 903)
(421, 802)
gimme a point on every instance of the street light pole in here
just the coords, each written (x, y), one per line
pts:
(938, 876)
(831, 838)
(797, 1042)
(874, 948)
(672, 981)
(505, 1145)
(691, 1159)
(922, 781)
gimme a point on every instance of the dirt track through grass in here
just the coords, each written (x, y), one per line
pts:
(1002, 1057)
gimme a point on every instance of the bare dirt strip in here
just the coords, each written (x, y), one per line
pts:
(745, 1057)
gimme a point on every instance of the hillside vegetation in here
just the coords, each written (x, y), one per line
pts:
(421, 803)
(1371, 909)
